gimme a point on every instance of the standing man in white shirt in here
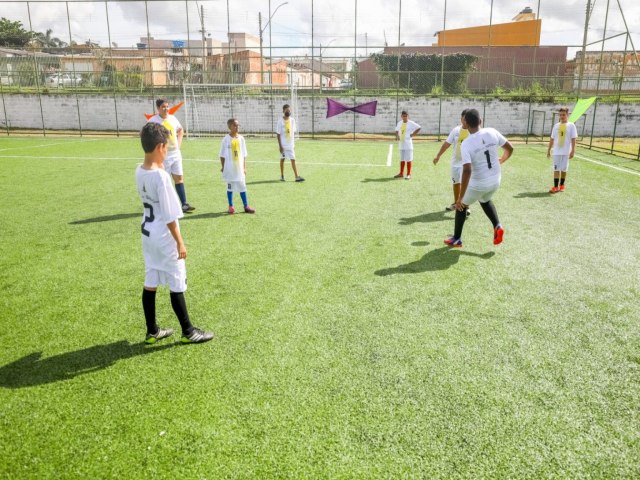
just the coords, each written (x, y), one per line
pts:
(286, 133)
(480, 174)
(162, 244)
(455, 138)
(563, 143)
(405, 131)
(173, 162)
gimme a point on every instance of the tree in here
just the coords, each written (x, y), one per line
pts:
(422, 73)
(46, 41)
(13, 34)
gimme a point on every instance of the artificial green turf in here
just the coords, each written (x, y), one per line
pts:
(351, 343)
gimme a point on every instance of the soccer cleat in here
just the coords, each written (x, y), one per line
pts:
(450, 208)
(408, 177)
(498, 233)
(231, 210)
(468, 212)
(186, 208)
(562, 188)
(554, 190)
(453, 242)
(248, 209)
(398, 176)
(196, 336)
(282, 179)
(159, 335)
(299, 179)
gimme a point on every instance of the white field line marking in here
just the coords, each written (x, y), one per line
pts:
(620, 169)
(49, 144)
(140, 159)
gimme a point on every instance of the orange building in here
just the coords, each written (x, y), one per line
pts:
(523, 31)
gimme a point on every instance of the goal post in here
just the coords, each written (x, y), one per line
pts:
(257, 107)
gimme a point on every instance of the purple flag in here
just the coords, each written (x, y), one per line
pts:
(336, 108)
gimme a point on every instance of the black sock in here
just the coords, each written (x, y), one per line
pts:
(179, 305)
(182, 195)
(555, 182)
(149, 307)
(490, 211)
(562, 181)
(461, 216)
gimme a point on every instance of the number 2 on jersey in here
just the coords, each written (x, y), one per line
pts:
(147, 218)
(486, 154)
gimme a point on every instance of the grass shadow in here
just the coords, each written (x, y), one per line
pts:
(107, 218)
(199, 216)
(384, 179)
(261, 182)
(532, 195)
(32, 370)
(426, 218)
(438, 259)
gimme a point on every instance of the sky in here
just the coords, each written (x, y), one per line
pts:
(337, 25)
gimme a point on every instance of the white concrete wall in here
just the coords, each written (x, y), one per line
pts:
(62, 112)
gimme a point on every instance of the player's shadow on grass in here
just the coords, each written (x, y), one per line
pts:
(107, 218)
(31, 370)
(199, 216)
(532, 195)
(438, 259)
(426, 218)
(261, 182)
(383, 179)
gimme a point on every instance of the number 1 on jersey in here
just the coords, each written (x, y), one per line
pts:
(486, 154)
(147, 218)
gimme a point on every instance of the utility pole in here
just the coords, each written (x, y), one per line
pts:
(584, 46)
(204, 44)
(261, 57)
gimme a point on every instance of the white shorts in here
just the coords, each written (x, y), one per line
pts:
(289, 153)
(560, 163)
(173, 163)
(406, 155)
(473, 195)
(456, 174)
(161, 263)
(239, 187)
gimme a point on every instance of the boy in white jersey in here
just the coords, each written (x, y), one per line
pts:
(286, 134)
(480, 174)
(173, 162)
(455, 138)
(563, 143)
(405, 131)
(233, 152)
(162, 244)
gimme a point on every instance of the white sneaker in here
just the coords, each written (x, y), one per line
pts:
(408, 177)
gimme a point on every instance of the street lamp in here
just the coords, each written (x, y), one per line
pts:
(261, 29)
(321, 50)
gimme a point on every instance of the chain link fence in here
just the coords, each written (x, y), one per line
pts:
(70, 55)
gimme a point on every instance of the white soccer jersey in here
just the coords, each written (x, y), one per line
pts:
(234, 152)
(455, 139)
(161, 207)
(404, 132)
(562, 135)
(480, 149)
(172, 124)
(287, 129)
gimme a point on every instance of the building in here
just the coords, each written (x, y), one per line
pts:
(508, 55)
(608, 71)
(504, 66)
(524, 30)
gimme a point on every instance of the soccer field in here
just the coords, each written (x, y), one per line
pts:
(350, 342)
